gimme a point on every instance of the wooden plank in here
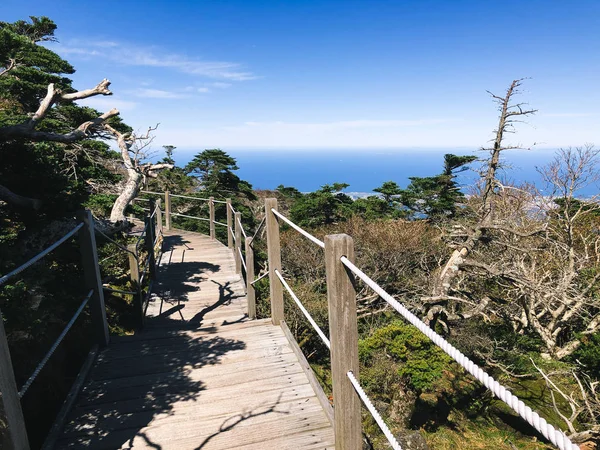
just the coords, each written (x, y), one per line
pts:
(142, 384)
(274, 254)
(91, 272)
(200, 373)
(167, 211)
(211, 215)
(140, 412)
(250, 294)
(229, 223)
(262, 422)
(343, 334)
(238, 242)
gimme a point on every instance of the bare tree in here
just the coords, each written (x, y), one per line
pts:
(28, 129)
(443, 291)
(130, 145)
(549, 279)
(132, 148)
(579, 408)
(54, 95)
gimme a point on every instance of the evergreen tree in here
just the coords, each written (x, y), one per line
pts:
(214, 169)
(324, 206)
(439, 196)
(49, 166)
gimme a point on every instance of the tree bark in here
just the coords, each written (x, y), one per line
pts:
(18, 200)
(130, 191)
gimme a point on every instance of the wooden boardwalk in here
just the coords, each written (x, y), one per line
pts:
(200, 375)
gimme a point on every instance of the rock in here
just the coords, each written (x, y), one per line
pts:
(589, 445)
(412, 440)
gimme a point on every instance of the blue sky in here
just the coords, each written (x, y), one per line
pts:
(334, 74)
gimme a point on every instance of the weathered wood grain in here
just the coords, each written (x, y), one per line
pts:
(201, 375)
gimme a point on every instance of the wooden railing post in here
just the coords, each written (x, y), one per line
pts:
(343, 333)
(211, 215)
(229, 224)
(15, 437)
(274, 253)
(250, 294)
(238, 242)
(134, 276)
(159, 222)
(149, 241)
(167, 210)
(91, 271)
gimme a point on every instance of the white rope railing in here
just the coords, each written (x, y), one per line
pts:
(219, 201)
(324, 338)
(369, 405)
(40, 255)
(60, 338)
(555, 436)
(220, 223)
(190, 217)
(304, 233)
(242, 259)
(262, 222)
(191, 198)
(151, 192)
(260, 278)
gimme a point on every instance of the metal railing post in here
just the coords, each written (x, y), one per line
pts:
(343, 333)
(134, 276)
(274, 254)
(238, 242)
(229, 224)
(250, 294)
(211, 216)
(167, 210)
(15, 437)
(91, 270)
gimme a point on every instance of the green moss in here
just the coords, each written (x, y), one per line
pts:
(422, 362)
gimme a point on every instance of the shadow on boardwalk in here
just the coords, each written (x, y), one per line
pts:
(146, 391)
(231, 422)
(137, 381)
(177, 279)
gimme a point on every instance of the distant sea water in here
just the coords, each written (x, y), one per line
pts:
(365, 170)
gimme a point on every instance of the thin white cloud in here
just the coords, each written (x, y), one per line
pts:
(106, 44)
(360, 133)
(107, 103)
(155, 93)
(203, 90)
(152, 57)
(349, 124)
(567, 115)
(220, 85)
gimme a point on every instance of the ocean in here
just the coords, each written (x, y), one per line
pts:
(365, 170)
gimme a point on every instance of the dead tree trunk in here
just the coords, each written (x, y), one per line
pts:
(131, 147)
(442, 291)
(129, 192)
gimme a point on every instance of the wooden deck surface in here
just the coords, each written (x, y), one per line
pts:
(200, 375)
